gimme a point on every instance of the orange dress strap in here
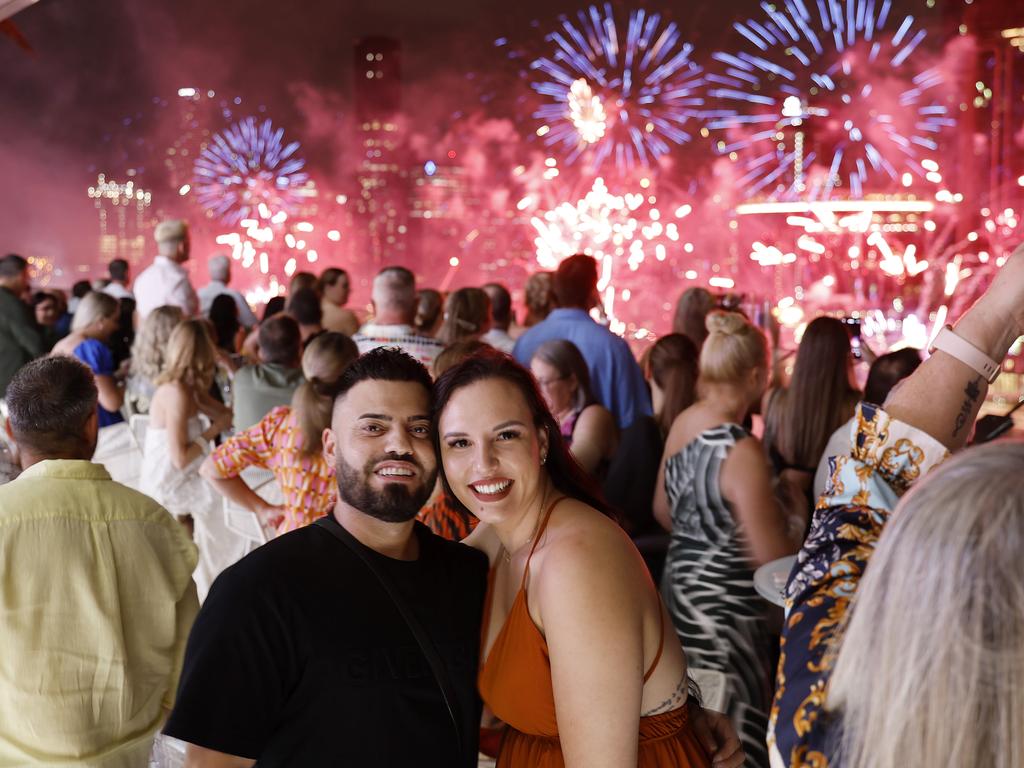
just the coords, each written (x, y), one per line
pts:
(661, 641)
(536, 538)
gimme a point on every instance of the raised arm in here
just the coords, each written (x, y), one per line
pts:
(943, 396)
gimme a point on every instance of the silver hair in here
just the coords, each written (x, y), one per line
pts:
(931, 665)
(394, 288)
(93, 307)
(219, 267)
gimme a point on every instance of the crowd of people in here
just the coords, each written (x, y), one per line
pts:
(496, 531)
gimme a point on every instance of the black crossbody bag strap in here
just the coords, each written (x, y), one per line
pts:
(437, 666)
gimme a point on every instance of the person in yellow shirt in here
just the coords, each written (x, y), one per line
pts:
(96, 589)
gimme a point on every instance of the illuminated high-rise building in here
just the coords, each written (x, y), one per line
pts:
(381, 204)
(125, 220)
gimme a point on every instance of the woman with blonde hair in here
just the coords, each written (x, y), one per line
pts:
(176, 441)
(538, 298)
(287, 441)
(917, 660)
(95, 321)
(148, 352)
(467, 315)
(715, 497)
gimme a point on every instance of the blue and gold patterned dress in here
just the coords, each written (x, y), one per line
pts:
(886, 458)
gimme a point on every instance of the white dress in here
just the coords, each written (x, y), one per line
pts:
(184, 492)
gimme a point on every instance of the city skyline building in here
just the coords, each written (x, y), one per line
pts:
(381, 204)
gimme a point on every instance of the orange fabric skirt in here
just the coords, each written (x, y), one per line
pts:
(666, 741)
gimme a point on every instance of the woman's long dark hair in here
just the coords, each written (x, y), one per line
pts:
(673, 367)
(566, 475)
(819, 399)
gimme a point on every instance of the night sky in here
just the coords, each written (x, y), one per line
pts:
(95, 63)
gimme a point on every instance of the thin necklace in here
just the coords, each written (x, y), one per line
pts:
(508, 555)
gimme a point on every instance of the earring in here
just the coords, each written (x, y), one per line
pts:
(543, 459)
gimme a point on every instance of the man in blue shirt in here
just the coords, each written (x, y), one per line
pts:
(614, 374)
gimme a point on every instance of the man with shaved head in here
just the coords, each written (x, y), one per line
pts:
(394, 306)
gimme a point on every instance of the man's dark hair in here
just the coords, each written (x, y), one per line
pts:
(280, 340)
(501, 305)
(118, 269)
(887, 371)
(79, 289)
(274, 305)
(49, 402)
(383, 364)
(330, 276)
(302, 280)
(12, 265)
(575, 281)
(40, 297)
(304, 306)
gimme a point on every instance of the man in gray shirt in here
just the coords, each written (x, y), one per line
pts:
(20, 340)
(258, 389)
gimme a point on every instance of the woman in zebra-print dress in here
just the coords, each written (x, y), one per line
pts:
(715, 497)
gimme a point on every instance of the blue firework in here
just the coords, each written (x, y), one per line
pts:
(245, 165)
(822, 101)
(617, 94)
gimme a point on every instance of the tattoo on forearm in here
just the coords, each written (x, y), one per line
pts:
(676, 700)
(971, 394)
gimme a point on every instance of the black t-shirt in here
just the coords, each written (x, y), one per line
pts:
(300, 658)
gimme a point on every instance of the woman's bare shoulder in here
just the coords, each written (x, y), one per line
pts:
(587, 556)
(580, 533)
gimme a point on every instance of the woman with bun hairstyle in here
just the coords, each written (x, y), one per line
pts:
(287, 442)
(715, 497)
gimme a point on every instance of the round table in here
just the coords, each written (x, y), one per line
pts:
(770, 579)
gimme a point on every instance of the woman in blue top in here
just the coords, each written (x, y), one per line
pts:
(95, 321)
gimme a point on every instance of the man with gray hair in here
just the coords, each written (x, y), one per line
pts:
(394, 307)
(219, 267)
(165, 282)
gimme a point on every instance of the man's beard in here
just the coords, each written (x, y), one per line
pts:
(395, 502)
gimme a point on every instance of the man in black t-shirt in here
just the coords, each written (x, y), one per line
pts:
(299, 656)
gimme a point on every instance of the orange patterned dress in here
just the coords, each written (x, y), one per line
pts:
(276, 443)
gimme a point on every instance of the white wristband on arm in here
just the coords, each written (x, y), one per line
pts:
(957, 346)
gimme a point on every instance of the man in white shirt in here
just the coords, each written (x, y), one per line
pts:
(120, 276)
(219, 267)
(394, 307)
(165, 281)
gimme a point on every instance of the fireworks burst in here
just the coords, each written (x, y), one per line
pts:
(819, 101)
(615, 230)
(247, 169)
(625, 95)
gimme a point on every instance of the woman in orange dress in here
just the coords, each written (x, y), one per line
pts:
(578, 659)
